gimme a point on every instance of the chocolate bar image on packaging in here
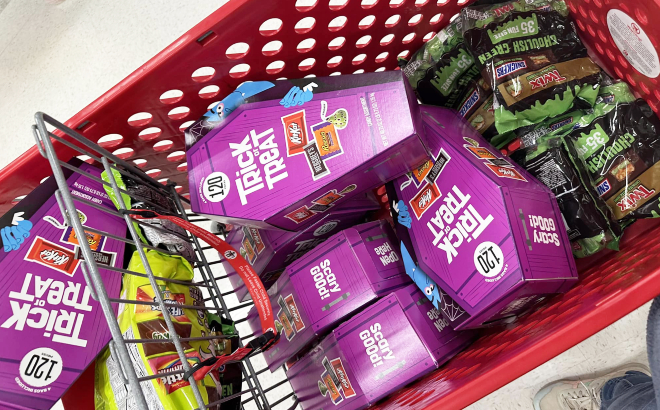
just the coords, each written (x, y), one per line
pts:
(53, 256)
(315, 161)
(328, 198)
(248, 235)
(344, 381)
(293, 309)
(288, 328)
(295, 131)
(95, 240)
(100, 257)
(319, 208)
(249, 251)
(331, 283)
(440, 162)
(335, 395)
(285, 309)
(386, 346)
(424, 199)
(327, 140)
(420, 172)
(331, 371)
(259, 245)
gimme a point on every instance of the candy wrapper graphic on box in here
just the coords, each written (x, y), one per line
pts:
(270, 161)
(277, 249)
(339, 277)
(391, 343)
(51, 327)
(488, 241)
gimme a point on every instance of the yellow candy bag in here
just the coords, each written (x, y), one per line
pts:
(136, 321)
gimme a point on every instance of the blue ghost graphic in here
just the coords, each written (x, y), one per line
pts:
(421, 279)
(297, 96)
(235, 99)
(404, 216)
(16, 233)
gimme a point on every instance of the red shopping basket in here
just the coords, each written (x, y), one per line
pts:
(143, 117)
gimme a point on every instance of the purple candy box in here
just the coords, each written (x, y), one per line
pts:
(482, 237)
(270, 251)
(50, 327)
(348, 271)
(288, 154)
(391, 343)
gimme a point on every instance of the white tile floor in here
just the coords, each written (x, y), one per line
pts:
(58, 58)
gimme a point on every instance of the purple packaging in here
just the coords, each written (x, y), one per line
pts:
(388, 345)
(274, 250)
(481, 236)
(344, 134)
(50, 327)
(348, 271)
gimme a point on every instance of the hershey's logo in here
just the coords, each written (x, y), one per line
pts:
(263, 147)
(468, 226)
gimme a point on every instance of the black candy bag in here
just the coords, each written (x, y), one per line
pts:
(618, 146)
(530, 53)
(587, 219)
(443, 73)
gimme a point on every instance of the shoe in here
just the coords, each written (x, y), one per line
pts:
(579, 394)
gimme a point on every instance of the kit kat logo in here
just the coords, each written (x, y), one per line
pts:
(504, 172)
(52, 256)
(345, 383)
(509, 68)
(295, 129)
(424, 199)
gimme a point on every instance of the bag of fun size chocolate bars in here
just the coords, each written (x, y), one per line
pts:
(443, 72)
(587, 219)
(617, 144)
(145, 321)
(530, 53)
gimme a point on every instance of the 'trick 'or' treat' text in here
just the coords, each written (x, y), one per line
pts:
(262, 146)
(52, 305)
(451, 229)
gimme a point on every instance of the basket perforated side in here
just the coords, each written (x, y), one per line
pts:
(143, 117)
